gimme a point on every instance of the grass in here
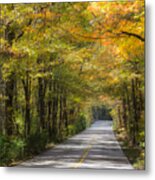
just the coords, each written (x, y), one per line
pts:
(135, 154)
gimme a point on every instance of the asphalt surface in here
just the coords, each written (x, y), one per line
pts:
(94, 148)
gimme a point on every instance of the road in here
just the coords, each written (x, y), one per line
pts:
(94, 148)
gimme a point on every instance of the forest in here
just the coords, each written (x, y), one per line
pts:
(60, 60)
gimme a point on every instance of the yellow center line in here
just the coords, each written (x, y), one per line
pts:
(84, 155)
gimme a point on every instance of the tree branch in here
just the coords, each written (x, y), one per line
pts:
(22, 32)
(134, 35)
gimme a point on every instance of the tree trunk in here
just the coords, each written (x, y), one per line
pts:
(61, 122)
(27, 87)
(124, 112)
(54, 112)
(9, 92)
(49, 113)
(130, 120)
(2, 104)
(119, 116)
(65, 114)
(134, 103)
(41, 102)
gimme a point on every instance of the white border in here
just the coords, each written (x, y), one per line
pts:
(35, 1)
(149, 174)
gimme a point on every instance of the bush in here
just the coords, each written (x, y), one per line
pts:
(71, 129)
(79, 125)
(11, 149)
(36, 142)
(15, 148)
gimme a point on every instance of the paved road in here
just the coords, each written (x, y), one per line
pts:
(94, 148)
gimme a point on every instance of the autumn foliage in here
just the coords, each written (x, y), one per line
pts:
(58, 60)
